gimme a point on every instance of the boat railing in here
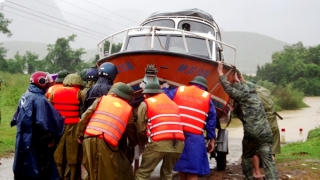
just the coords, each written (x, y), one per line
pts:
(156, 30)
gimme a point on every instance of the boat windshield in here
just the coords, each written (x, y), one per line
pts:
(196, 46)
(163, 22)
(195, 27)
(136, 43)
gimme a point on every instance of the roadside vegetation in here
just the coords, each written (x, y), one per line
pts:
(12, 87)
(301, 160)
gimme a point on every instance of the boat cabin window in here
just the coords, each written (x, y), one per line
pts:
(186, 26)
(195, 27)
(163, 22)
(136, 43)
(196, 46)
(172, 43)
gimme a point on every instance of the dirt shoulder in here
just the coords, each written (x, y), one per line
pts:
(307, 169)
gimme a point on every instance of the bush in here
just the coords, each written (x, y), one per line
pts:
(13, 86)
(288, 98)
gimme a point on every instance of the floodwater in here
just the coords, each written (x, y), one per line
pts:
(305, 119)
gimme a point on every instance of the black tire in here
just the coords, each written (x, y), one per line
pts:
(221, 161)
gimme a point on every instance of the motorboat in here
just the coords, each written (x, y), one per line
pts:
(173, 48)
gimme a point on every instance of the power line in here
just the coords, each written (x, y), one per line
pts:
(50, 16)
(49, 24)
(75, 15)
(111, 11)
(93, 13)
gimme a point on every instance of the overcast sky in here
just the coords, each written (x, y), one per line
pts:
(285, 20)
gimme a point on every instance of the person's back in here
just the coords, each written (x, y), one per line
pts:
(268, 105)
(250, 111)
(92, 76)
(39, 127)
(197, 114)
(67, 101)
(107, 73)
(160, 123)
(257, 133)
(100, 128)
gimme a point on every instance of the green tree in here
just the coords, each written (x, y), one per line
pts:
(16, 65)
(295, 65)
(4, 25)
(3, 62)
(4, 30)
(115, 47)
(32, 62)
(61, 56)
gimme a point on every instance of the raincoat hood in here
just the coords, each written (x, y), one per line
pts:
(73, 80)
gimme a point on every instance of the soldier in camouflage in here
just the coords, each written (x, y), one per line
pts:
(257, 132)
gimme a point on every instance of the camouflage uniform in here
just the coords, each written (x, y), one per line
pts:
(257, 132)
(271, 115)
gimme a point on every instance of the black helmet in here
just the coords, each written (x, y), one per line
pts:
(152, 88)
(61, 75)
(92, 74)
(83, 74)
(109, 70)
(200, 81)
(124, 91)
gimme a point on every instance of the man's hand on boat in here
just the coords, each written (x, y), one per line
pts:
(237, 76)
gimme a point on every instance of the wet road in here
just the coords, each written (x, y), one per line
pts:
(306, 118)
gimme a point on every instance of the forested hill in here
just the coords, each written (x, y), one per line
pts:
(252, 49)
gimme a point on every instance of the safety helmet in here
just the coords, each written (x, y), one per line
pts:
(200, 81)
(92, 74)
(124, 91)
(109, 70)
(83, 74)
(61, 75)
(41, 79)
(152, 88)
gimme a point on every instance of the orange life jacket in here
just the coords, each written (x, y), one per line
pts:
(193, 103)
(51, 89)
(65, 101)
(109, 120)
(163, 119)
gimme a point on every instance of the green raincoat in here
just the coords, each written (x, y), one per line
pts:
(68, 153)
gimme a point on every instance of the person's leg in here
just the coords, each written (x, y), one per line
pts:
(89, 157)
(256, 166)
(168, 163)
(183, 176)
(150, 159)
(268, 163)
(188, 176)
(192, 176)
(249, 148)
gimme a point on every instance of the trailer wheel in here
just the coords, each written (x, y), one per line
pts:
(221, 161)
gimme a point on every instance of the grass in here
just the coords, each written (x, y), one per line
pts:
(12, 87)
(302, 150)
(7, 133)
